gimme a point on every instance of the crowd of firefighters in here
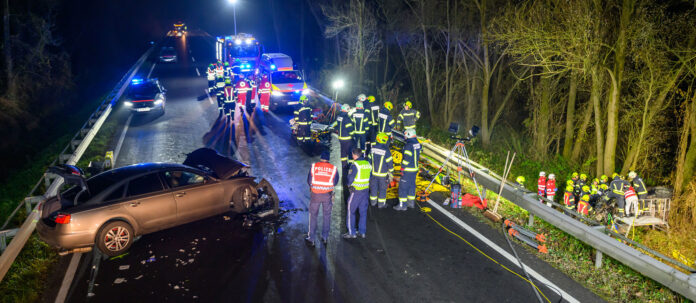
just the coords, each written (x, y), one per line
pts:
(582, 195)
(237, 91)
(364, 134)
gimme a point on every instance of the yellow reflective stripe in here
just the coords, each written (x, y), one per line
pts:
(411, 169)
(408, 152)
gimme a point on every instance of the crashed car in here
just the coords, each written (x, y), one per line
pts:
(112, 208)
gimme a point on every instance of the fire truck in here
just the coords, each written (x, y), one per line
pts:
(241, 51)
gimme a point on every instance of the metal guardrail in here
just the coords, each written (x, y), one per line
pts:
(77, 146)
(596, 236)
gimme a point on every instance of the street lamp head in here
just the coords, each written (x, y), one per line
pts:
(232, 1)
(338, 84)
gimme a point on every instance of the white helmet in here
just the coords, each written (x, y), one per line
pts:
(552, 176)
(542, 174)
(410, 133)
(362, 97)
(632, 175)
(359, 104)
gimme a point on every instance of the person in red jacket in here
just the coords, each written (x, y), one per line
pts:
(550, 188)
(631, 201)
(265, 93)
(569, 198)
(584, 207)
(241, 88)
(541, 186)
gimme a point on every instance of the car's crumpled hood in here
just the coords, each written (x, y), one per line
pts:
(223, 167)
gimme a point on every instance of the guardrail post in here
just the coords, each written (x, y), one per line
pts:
(530, 223)
(598, 259)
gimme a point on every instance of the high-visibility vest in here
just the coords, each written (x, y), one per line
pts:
(211, 74)
(630, 193)
(345, 126)
(374, 112)
(617, 187)
(385, 121)
(323, 174)
(220, 72)
(411, 155)
(541, 186)
(569, 199)
(265, 87)
(362, 177)
(551, 187)
(584, 207)
(409, 117)
(360, 118)
(228, 94)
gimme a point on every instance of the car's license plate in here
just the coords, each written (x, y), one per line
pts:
(144, 109)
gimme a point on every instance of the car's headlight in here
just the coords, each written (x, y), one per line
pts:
(306, 91)
(159, 101)
(128, 103)
(276, 93)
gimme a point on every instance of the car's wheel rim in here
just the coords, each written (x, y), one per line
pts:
(117, 238)
(246, 196)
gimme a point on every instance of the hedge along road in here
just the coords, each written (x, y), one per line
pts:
(405, 257)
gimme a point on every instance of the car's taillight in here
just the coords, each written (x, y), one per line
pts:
(63, 218)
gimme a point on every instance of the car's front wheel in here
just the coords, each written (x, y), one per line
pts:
(115, 238)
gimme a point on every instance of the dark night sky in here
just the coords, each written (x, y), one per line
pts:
(106, 37)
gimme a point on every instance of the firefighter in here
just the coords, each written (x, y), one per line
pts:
(569, 197)
(584, 207)
(385, 122)
(227, 70)
(252, 93)
(617, 192)
(604, 180)
(322, 179)
(382, 166)
(541, 186)
(358, 184)
(219, 89)
(640, 188)
(361, 120)
(241, 88)
(373, 109)
(550, 188)
(576, 183)
(409, 170)
(264, 93)
(595, 192)
(408, 116)
(229, 101)
(210, 73)
(345, 128)
(303, 120)
(519, 181)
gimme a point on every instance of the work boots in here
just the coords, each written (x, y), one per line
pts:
(411, 203)
(400, 206)
(382, 205)
(373, 202)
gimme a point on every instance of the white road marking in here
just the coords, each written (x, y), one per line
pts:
(67, 280)
(197, 72)
(209, 98)
(193, 59)
(511, 258)
(151, 69)
(117, 150)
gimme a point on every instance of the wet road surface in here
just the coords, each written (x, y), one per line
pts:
(405, 257)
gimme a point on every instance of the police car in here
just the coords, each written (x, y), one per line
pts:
(145, 96)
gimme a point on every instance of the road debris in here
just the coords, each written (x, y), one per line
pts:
(226, 218)
(124, 267)
(119, 280)
(139, 277)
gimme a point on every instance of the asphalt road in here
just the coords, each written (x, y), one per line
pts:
(405, 257)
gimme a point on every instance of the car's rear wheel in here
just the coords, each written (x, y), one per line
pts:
(115, 238)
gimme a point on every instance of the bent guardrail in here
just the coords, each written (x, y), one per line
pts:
(596, 236)
(77, 146)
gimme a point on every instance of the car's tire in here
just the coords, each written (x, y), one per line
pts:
(115, 238)
(243, 198)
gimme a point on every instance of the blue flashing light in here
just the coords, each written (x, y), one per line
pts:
(273, 67)
(136, 81)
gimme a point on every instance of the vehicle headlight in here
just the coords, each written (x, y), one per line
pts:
(159, 101)
(276, 93)
(306, 91)
(128, 103)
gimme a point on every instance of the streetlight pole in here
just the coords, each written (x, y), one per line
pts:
(234, 9)
(337, 84)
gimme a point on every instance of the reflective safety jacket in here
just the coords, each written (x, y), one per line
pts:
(385, 121)
(303, 116)
(359, 174)
(617, 186)
(361, 119)
(411, 155)
(381, 159)
(241, 88)
(323, 177)
(569, 200)
(229, 93)
(211, 74)
(551, 187)
(584, 207)
(220, 72)
(265, 87)
(639, 186)
(374, 112)
(345, 126)
(408, 118)
(541, 186)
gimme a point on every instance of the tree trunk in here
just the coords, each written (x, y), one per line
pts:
(599, 138)
(570, 116)
(428, 75)
(7, 47)
(612, 127)
(582, 132)
(686, 158)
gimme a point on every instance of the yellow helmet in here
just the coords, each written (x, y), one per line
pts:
(614, 175)
(569, 188)
(371, 99)
(570, 183)
(574, 175)
(583, 177)
(521, 179)
(388, 105)
(408, 104)
(585, 188)
(585, 198)
(382, 138)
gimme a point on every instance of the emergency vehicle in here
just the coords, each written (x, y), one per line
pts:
(241, 51)
(179, 29)
(287, 83)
